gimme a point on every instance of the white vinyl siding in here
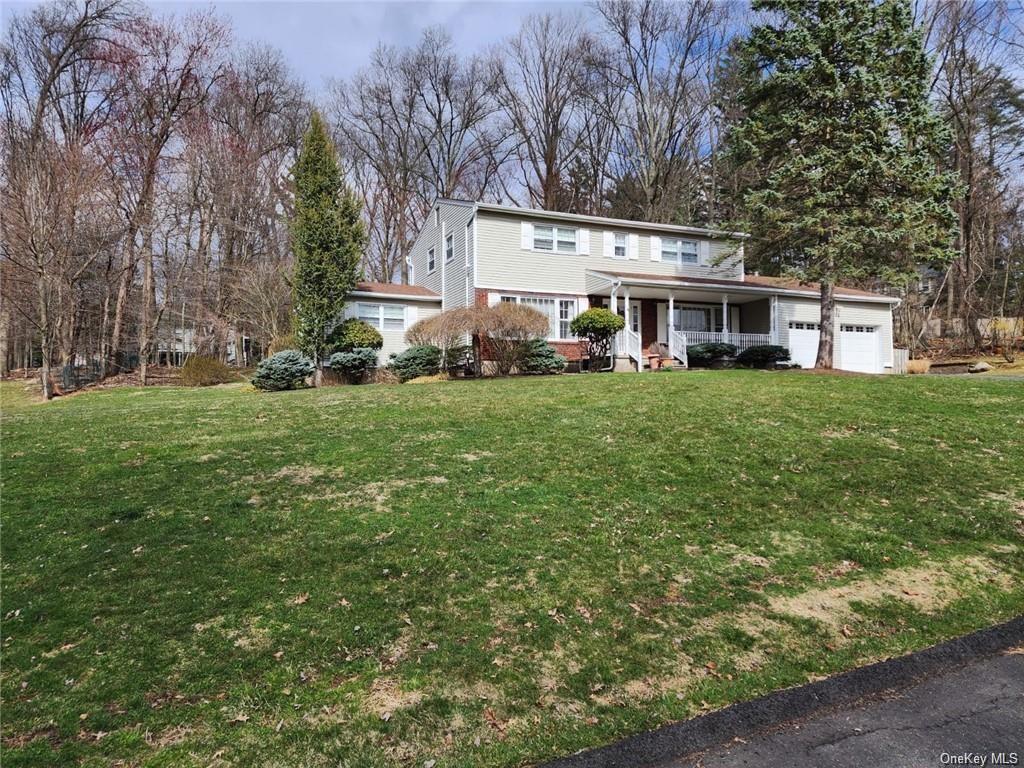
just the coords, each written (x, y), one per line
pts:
(507, 260)
(392, 317)
(560, 312)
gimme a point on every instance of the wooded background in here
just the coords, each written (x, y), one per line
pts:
(146, 159)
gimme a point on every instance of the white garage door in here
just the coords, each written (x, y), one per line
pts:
(858, 349)
(803, 343)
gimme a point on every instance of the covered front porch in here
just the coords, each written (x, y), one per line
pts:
(664, 316)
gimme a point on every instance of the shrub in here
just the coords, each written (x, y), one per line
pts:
(762, 355)
(354, 334)
(282, 342)
(420, 360)
(539, 357)
(507, 328)
(204, 371)
(922, 365)
(597, 326)
(353, 365)
(285, 370)
(704, 353)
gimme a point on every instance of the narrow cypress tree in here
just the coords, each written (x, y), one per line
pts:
(328, 239)
(845, 145)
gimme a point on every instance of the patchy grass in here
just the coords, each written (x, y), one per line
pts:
(481, 573)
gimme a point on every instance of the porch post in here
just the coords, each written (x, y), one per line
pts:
(725, 318)
(614, 302)
(671, 326)
(773, 327)
(629, 326)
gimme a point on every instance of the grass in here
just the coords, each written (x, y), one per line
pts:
(481, 573)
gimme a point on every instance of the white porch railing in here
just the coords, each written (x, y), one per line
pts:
(677, 347)
(740, 340)
(628, 343)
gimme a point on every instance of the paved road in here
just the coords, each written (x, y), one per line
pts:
(975, 709)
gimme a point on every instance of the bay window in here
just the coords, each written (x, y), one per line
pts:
(559, 312)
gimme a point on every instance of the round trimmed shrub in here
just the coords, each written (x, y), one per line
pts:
(597, 326)
(702, 354)
(540, 357)
(353, 365)
(285, 370)
(762, 355)
(354, 334)
(205, 371)
(420, 360)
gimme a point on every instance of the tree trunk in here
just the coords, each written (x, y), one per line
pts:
(825, 333)
(5, 329)
(45, 333)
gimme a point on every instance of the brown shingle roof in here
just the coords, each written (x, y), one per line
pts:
(367, 286)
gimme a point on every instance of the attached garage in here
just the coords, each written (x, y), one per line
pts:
(803, 343)
(862, 336)
(859, 349)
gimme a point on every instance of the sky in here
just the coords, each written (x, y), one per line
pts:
(323, 40)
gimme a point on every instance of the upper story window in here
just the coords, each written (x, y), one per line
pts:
(620, 245)
(449, 248)
(549, 238)
(431, 261)
(678, 251)
(437, 217)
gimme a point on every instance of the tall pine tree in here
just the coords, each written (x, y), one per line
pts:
(328, 238)
(846, 146)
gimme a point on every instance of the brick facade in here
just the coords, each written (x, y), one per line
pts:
(573, 351)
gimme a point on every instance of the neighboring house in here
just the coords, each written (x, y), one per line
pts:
(391, 309)
(675, 285)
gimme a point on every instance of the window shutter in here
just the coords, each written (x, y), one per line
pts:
(633, 247)
(410, 315)
(655, 248)
(527, 236)
(583, 244)
(704, 251)
(492, 299)
(609, 245)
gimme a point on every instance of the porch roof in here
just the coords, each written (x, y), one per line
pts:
(752, 285)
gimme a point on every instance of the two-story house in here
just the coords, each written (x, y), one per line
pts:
(674, 285)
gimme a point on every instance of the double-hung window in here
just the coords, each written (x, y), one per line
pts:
(550, 238)
(449, 248)
(389, 317)
(431, 261)
(394, 317)
(678, 251)
(620, 245)
(559, 312)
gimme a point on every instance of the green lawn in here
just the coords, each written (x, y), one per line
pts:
(482, 573)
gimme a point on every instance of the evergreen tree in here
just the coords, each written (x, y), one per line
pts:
(328, 239)
(838, 124)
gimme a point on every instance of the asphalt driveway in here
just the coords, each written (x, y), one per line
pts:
(977, 710)
(957, 703)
